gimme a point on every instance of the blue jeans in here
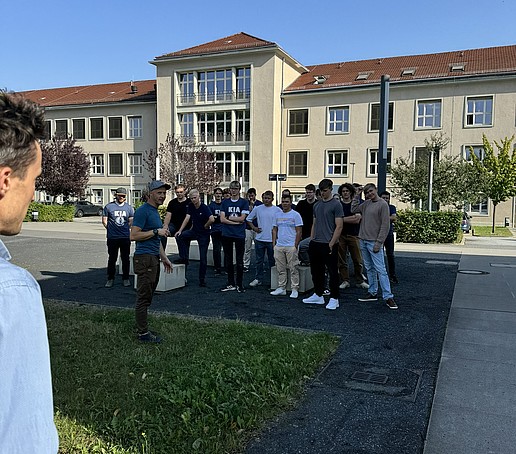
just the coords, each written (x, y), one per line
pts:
(259, 249)
(375, 268)
(203, 240)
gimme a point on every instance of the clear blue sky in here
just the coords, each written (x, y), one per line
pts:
(56, 43)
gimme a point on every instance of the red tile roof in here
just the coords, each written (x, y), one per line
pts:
(94, 94)
(236, 42)
(494, 60)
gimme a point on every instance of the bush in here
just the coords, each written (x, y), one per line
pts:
(423, 227)
(162, 209)
(50, 213)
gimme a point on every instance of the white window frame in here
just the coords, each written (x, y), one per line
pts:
(98, 196)
(297, 152)
(374, 162)
(481, 208)
(307, 122)
(335, 123)
(135, 131)
(97, 165)
(426, 103)
(470, 110)
(330, 162)
(476, 148)
(135, 168)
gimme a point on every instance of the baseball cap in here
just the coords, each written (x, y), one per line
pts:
(157, 184)
(121, 191)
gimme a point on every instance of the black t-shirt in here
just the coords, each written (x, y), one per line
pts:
(349, 229)
(306, 210)
(178, 211)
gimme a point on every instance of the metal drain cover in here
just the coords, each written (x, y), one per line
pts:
(399, 383)
(476, 272)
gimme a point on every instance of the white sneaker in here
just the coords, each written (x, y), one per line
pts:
(294, 294)
(363, 285)
(255, 283)
(333, 304)
(345, 284)
(279, 291)
(314, 299)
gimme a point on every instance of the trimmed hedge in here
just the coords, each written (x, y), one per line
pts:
(50, 213)
(423, 227)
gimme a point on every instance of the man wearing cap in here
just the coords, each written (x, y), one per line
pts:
(117, 219)
(146, 230)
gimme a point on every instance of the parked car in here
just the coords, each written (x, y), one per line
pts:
(85, 208)
(465, 225)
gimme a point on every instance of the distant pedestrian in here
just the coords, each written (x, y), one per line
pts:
(374, 228)
(216, 230)
(117, 218)
(26, 404)
(233, 214)
(326, 229)
(199, 216)
(260, 221)
(305, 208)
(389, 241)
(286, 235)
(146, 231)
(250, 234)
(176, 212)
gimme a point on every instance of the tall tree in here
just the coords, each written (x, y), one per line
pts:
(185, 161)
(499, 170)
(65, 168)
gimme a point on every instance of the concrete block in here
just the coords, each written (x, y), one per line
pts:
(169, 281)
(305, 279)
(119, 265)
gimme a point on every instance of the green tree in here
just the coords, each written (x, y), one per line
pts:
(65, 168)
(453, 181)
(499, 170)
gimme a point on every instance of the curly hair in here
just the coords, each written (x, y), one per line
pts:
(22, 123)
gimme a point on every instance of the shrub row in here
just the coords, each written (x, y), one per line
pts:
(424, 227)
(50, 213)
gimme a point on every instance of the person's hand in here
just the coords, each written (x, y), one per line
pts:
(168, 266)
(178, 233)
(258, 230)
(163, 232)
(377, 247)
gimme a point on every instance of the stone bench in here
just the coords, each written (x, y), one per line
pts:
(305, 279)
(169, 281)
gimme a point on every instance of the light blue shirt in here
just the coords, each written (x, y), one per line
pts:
(26, 404)
(265, 217)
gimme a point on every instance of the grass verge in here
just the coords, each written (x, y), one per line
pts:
(206, 389)
(484, 230)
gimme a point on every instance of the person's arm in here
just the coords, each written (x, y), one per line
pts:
(392, 210)
(137, 234)
(354, 219)
(336, 232)
(299, 232)
(274, 235)
(166, 262)
(312, 233)
(130, 220)
(210, 221)
(225, 220)
(186, 220)
(385, 226)
(166, 221)
(104, 221)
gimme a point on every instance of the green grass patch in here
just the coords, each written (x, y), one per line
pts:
(206, 389)
(484, 230)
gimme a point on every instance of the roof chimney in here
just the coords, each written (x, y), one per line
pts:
(134, 88)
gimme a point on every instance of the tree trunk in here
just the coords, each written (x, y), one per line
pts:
(494, 213)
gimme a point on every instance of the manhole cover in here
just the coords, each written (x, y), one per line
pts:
(472, 272)
(400, 383)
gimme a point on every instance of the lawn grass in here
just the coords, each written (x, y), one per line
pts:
(484, 230)
(206, 389)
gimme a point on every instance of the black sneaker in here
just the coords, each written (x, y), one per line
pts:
(368, 297)
(218, 272)
(240, 289)
(228, 288)
(151, 337)
(246, 269)
(391, 304)
(202, 284)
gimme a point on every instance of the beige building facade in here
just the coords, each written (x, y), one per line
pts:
(262, 112)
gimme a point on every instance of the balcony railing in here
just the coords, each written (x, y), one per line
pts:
(213, 97)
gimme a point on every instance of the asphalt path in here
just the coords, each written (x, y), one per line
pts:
(374, 396)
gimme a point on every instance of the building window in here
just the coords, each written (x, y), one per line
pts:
(97, 128)
(479, 208)
(243, 126)
(135, 127)
(115, 164)
(478, 150)
(338, 120)
(98, 196)
(242, 166)
(79, 128)
(479, 111)
(337, 163)
(374, 124)
(186, 122)
(61, 128)
(372, 168)
(214, 127)
(429, 114)
(298, 122)
(297, 163)
(136, 194)
(186, 88)
(243, 81)
(224, 166)
(115, 127)
(48, 129)
(97, 164)
(215, 85)
(135, 164)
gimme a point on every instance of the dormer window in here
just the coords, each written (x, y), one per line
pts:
(408, 72)
(363, 76)
(457, 67)
(319, 80)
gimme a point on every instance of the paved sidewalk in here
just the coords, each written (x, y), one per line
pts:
(473, 374)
